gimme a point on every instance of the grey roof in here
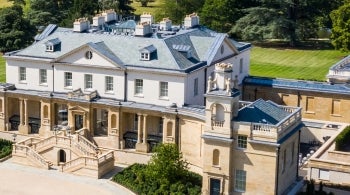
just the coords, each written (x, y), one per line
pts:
(47, 31)
(299, 85)
(53, 41)
(262, 111)
(343, 64)
(148, 49)
(125, 50)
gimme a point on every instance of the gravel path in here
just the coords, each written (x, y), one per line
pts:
(24, 180)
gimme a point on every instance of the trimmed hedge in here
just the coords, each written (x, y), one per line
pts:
(343, 139)
(5, 148)
(134, 178)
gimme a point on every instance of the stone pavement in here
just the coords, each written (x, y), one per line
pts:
(24, 180)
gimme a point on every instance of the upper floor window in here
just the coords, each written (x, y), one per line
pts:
(22, 74)
(53, 45)
(195, 90)
(88, 81)
(68, 79)
(148, 53)
(242, 141)
(163, 89)
(43, 76)
(109, 83)
(138, 86)
(216, 157)
(49, 47)
(241, 65)
(144, 56)
(88, 55)
(240, 180)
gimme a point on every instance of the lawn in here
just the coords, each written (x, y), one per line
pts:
(151, 8)
(2, 69)
(293, 63)
(5, 3)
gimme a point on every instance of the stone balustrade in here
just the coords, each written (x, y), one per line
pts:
(23, 150)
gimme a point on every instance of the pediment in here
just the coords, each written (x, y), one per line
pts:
(92, 54)
(224, 49)
(77, 109)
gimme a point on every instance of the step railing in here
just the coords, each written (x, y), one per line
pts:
(87, 144)
(106, 157)
(31, 154)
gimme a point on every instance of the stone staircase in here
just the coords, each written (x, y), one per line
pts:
(88, 159)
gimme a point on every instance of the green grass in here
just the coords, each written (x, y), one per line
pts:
(151, 8)
(4, 3)
(293, 63)
(2, 69)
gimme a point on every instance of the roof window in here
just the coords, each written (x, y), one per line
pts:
(148, 53)
(53, 45)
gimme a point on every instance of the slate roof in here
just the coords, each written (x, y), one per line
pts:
(299, 85)
(125, 50)
(262, 111)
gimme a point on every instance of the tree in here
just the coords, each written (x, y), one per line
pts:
(341, 29)
(120, 6)
(15, 31)
(144, 3)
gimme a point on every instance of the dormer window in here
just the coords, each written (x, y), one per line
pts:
(184, 49)
(53, 45)
(148, 53)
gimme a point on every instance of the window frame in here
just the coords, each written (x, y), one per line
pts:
(42, 76)
(109, 84)
(138, 87)
(195, 86)
(145, 56)
(240, 180)
(22, 74)
(163, 90)
(88, 81)
(242, 141)
(68, 82)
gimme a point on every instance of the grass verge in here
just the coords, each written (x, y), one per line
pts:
(2, 69)
(151, 8)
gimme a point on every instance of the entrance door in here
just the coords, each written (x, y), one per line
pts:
(62, 155)
(214, 186)
(78, 122)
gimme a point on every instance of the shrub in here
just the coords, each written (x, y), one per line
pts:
(342, 139)
(5, 148)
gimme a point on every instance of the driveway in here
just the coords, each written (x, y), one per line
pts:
(24, 180)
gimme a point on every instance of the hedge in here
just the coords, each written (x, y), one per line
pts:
(343, 139)
(5, 148)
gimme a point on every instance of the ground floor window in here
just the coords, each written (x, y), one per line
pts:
(215, 185)
(240, 180)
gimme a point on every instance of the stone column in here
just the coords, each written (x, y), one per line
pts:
(21, 114)
(144, 141)
(138, 128)
(24, 124)
(26, 117)
(142, 147)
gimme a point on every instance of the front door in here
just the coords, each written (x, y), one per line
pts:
(214, 186)
(78, 122)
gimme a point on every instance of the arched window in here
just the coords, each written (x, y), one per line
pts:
(169, 129)
(216, 157)
(113, 121)
(46, 111)
(62, 156)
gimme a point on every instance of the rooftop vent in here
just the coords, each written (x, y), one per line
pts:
(191, 20)
(165, 24)
(81, 25)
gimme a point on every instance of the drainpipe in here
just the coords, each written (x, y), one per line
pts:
(125, 86)
(53, 80)
(205, 85)
(177, 129)
(277, 169)
(298, 99)
(255, 92)
(298, 155)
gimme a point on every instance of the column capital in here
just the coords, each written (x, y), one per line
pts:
(145, 115)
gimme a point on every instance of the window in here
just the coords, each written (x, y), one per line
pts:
(324, 174)
(88, 81)
(284, 160)
(310, 107)
(49, 47)
(144, 56)
(67, 79)
(216, 157)
(109, 83)
(241, 65)
(195, 91)
(138, 87)
(163, 89)
(292, 158)
(240, 180)
(22, 74)
(88, 55)
(160, 130)
(169, 129)
(136, 122)
(43, 76)
(242, 141)
(336, 107)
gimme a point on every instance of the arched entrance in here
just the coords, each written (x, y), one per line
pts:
(61, 156)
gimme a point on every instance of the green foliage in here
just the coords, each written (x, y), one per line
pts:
(5, 148)
(343, 139)
(341, 29)
(166, 173)
(2, 69)
(310, 189)
(15, 31)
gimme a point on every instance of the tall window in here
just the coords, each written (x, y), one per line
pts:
(195, 90)
(43, 76)
(109, 83)
(67, 79)
(310, 104)
(241, 65)
(336, 107)
(284, 160)
(216, 157)
(138, 86)
(240, 180)
(163, 90)
(22, 74)
(88, 81)
(242, 141)
(292, 161)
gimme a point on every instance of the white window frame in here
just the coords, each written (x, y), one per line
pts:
(22, 74)
(49, 47)
(242, 141)
(88, 81)
(138, 87)
(195, 86)
(68, 79)
(240, 180)
(145, 56)
(42, 76)
(109, 84)
(163, 89)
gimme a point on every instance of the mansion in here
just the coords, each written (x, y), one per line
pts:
(108, 92)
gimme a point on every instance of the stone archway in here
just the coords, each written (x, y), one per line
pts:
(62, 157)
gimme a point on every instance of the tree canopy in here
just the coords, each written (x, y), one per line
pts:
(341, 27)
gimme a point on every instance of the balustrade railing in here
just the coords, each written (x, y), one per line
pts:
(31, 154)
(85, 143)
(218, 123)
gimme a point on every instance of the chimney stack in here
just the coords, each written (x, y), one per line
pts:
(81, 25)
(146, 17)
(143, 29)
(109, 15)
(165, 24)
(98, 20)
(191, 20)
